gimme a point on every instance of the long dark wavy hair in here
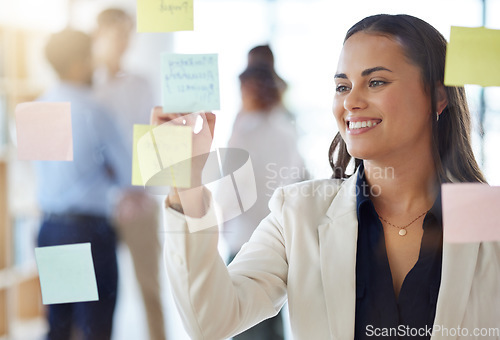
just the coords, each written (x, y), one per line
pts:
(260, 81)
(425, 47)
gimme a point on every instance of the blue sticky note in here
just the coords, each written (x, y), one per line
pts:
(66, 273)
(190, 82)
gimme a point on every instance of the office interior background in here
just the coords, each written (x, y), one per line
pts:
(306, 37)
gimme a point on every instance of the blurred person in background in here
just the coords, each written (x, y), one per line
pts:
(264, 128)
(262, 56)
(77, 197)
(129, 98)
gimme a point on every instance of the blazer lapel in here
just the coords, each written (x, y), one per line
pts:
(337, 246)
(459, 264)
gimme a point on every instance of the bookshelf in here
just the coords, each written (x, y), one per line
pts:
(22, 78)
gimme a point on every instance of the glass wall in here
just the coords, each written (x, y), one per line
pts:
(306, 37)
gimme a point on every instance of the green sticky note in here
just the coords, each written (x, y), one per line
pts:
(164, 15)
(161, 155)
(473, 57)
(66, 273)
(190, 82)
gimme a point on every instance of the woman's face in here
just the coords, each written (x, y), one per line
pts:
(380, 105)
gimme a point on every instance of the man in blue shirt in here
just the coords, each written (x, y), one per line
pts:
(76, 197)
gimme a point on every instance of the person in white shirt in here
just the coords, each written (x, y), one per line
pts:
(265, 129)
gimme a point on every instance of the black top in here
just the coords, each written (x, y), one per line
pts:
(378, 312)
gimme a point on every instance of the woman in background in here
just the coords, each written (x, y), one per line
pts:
(264, 128)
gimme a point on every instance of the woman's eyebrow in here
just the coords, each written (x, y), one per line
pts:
(365, 73)
(374, 69)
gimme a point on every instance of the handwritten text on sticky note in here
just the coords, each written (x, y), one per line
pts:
(470, 212)
(66, 273)
(190, 82)
(161, 155)
(164, 15)
(44, 131)
(473, 57)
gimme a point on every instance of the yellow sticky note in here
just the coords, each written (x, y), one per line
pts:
(161, 155)
(473, 57)
(164, 15)
(140, 131)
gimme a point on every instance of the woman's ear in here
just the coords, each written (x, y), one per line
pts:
(441, 98)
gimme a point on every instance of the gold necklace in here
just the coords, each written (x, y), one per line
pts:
(402, 230)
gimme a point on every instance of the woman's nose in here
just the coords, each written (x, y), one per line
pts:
(355, 100)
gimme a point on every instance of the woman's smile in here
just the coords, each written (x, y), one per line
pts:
(358, 125)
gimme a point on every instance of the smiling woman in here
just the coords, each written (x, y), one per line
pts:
(415, 50)
(391, 96)
(360, 255)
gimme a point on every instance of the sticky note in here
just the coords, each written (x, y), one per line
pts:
(164, 15)
(190, 82)
(161, 155)
(473, 57)
(470, 212)
(66, 273)
(44, 131)
(149, 155)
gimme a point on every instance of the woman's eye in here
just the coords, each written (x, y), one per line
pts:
(341, 88)
(375, 83)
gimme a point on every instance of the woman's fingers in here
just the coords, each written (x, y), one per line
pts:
(155, 113)
(158, 117)
(202, 123)
(209, 119)
(203, 126)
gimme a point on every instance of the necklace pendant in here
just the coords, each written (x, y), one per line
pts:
(402, 232)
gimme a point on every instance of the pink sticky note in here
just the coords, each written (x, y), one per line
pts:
(470, 212)
(44, 131)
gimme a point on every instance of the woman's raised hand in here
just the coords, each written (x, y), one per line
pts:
(203, 125)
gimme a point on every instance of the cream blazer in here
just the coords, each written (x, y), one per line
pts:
(305, 252)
